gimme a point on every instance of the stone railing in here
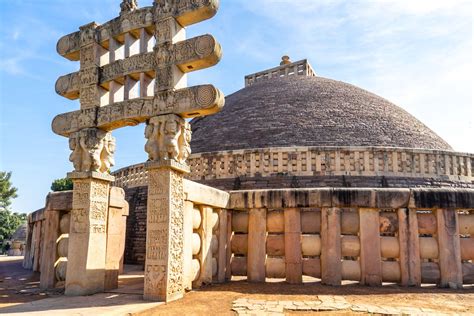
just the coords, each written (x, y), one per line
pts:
(207, 231)
(48, 238)
(402, 236)
(318, 161)
(297, 68)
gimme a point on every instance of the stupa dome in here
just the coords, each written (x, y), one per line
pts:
(309, 111)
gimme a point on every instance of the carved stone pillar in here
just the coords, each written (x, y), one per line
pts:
(168, 148)
(92, 155)
(87, 235)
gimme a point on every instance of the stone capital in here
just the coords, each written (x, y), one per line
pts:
(167, 164)
(91, 175)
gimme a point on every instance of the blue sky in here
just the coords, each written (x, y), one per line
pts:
(417, 54)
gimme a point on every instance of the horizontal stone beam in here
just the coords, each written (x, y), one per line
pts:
(59, 201)
(37, 215)
(193, 54)
(441, 198)
(205, 195)
(186, 12)
(188, 102)
(190, 55)
(69, 45)
(350, 197)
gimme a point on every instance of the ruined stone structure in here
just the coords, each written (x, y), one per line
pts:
(297, 176)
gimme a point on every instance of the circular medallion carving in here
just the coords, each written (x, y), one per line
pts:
(205, 96)
(204, 46)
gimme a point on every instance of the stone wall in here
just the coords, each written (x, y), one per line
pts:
(135, 242)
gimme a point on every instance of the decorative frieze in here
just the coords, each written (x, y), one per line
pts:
(317, 162)
(187, 103)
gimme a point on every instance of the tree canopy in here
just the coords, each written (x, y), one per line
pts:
(63, 184)
(7, 191)
(9, 221)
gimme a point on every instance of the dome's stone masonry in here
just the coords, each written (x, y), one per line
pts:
(309, 111)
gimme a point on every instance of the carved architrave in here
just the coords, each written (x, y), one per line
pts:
(189, 55)
(186, 12)
(187, 103)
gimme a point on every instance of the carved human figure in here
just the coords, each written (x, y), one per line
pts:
(184, 143)
(107, 154)
(167, 138)
(92, 150)
(128, 6)
(75, 157)
(152, 135)
(164, 6)
(171, 132)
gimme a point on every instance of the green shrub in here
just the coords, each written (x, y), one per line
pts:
(63, 184)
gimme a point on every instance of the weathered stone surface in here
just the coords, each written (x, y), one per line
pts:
(168, 138)
(164, 279)
(312, 167)
(320, 197)
(92, 150)
(188, 12)
(87, 237)
(188, 102)
(189, 55)
(202, 194)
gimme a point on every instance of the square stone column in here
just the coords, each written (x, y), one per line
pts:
(164, 278)
(88, 233)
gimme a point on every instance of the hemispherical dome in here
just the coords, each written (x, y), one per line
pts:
(309, 111)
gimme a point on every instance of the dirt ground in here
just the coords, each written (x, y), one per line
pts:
(19, 286)
(219, 298)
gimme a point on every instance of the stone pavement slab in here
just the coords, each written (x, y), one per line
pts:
(334, 303)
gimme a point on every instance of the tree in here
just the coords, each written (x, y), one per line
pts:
(63, 184)
(7, 191)
(9, 221)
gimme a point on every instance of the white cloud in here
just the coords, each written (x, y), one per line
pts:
(417, 54)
